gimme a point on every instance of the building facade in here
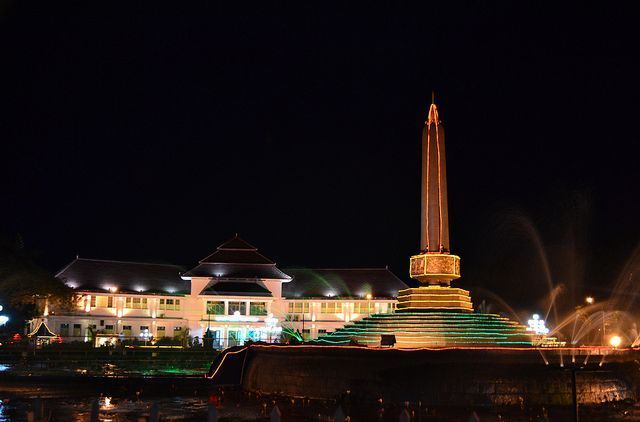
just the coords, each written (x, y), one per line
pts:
(233, 295)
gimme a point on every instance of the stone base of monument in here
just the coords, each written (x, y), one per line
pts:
(433, 298)
(495, 377)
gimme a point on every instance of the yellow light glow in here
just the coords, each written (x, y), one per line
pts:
(369, 296)
(589, 300)
(615, 341)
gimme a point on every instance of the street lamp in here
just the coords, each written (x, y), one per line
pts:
(589, 300)
(615, 341)
(146, 335)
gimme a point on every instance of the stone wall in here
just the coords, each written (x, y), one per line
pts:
(453, 377)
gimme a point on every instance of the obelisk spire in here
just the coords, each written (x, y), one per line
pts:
(435, 210)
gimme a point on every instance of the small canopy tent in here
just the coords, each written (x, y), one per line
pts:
(41, 334)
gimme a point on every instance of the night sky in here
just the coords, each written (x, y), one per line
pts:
(153, 135)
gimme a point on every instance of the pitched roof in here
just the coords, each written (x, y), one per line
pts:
(237, 259)
(241, 271)
(98, 275)
(235, 288)
(342, 282)
(42, 331)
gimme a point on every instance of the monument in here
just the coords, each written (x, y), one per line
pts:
(435, 267)
(435, 314)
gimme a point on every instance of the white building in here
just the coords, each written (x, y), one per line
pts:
(233, 295)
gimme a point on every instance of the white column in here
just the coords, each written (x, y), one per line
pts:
(247, 311)
(226, 308)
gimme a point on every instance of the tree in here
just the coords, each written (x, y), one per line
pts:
(23, 282)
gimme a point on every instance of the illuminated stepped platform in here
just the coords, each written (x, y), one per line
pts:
(437, 329)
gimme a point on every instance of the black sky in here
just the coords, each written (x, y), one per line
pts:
(149, 135)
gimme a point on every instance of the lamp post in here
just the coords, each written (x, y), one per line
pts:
(145, 335)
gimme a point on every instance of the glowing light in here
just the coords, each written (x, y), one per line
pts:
(3, 319)
(589, 300)
(369, 296)
(139, 289)
(170, 290)
(615, 341)
(110, 288)
(537, 325)
(71, 284)
(330, 294)
(236, 317)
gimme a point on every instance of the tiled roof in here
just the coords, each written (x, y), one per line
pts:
(237, 271)
(342, 282)
(235, 288)
(237, 259)
(127, 277)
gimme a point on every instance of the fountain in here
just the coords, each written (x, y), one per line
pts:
(434, 349)
(436, 314)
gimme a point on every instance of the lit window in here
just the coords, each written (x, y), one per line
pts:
(257, 308)
(93, 301)
(169, 304)
(240, 307)
(110, 302)
(64, 330)
(215, 308)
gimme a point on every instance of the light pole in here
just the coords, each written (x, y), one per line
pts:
(145, 335)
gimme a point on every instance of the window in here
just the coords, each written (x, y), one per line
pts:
(237, 307)
(77, 330)
(298, 307)
(110, 302)
(330, 307)
(257, 308)
(126, 330)
(161, 331)
(322, 331)
(93, 301)
(64, 330)
(215, 307)
(144, 328)
(101, 301)
(169, 304)
(135, 303)
(108, 329)
(306, 333)
(363, 308)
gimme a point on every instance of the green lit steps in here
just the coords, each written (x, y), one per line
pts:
(435, 329)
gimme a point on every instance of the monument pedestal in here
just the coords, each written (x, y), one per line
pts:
(434, 298)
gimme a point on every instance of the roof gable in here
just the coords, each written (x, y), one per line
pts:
(235, 288)
(237, 259)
